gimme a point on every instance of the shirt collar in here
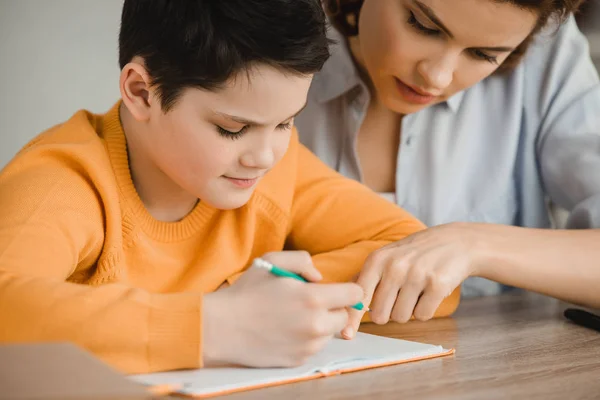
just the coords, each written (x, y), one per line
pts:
(339, 74)
(455, 101)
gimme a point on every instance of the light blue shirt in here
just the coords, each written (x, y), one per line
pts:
(496, 152)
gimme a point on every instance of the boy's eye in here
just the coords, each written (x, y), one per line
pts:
(231, 135)
(414, 22)
(236, 135)
(285, 127)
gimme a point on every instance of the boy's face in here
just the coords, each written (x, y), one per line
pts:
(218, 145)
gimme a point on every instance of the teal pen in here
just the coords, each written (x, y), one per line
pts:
(275, 270)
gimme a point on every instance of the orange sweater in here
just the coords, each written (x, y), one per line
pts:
(82, 260)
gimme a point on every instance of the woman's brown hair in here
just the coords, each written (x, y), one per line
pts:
(344, 17)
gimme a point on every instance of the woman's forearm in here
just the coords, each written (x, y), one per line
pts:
(560, 263)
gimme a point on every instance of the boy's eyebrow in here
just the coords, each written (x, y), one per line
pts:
(434, 18)
(245, 121)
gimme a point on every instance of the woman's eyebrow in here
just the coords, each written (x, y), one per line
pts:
(434, 18)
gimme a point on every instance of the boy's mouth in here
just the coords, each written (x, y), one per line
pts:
(243, 183)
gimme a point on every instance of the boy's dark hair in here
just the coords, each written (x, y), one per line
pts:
(202, 43)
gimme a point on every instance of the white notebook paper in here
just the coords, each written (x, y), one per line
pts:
(339, 356)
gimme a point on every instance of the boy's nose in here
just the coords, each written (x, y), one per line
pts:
(260, 157)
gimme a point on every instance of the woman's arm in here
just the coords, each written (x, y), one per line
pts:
(560, 263)
(414, 275)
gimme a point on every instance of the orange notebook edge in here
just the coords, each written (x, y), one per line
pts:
(173, 390)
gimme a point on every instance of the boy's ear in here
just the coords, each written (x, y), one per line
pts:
(136, 90)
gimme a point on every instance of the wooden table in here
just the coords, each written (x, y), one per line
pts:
(512, 346)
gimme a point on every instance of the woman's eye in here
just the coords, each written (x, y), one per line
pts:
(414, 22)
(486, 57)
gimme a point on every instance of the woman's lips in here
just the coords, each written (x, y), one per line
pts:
(413, 95)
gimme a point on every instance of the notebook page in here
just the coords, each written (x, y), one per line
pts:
(211, 380)
(363, 350)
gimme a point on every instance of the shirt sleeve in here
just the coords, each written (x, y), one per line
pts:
(569, 139)
(340, 221)
(52, 225)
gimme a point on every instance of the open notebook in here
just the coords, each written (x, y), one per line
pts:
(339, 356)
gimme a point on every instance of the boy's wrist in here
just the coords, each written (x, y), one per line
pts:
(213, 335)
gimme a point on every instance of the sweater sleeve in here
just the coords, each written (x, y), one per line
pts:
(340, 221)
(52, 224)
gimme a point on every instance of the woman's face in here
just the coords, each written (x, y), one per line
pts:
(421, 52)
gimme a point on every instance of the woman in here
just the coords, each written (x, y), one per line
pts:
(471, 114)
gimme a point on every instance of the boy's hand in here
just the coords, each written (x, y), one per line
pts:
(268, 321)
(414, 275)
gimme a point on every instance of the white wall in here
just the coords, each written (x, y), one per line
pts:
(56, 57)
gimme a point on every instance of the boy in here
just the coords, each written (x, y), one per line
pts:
(117, 230)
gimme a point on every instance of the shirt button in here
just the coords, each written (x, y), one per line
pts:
(408, 140)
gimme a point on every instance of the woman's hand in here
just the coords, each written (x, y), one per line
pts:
(414, 275)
